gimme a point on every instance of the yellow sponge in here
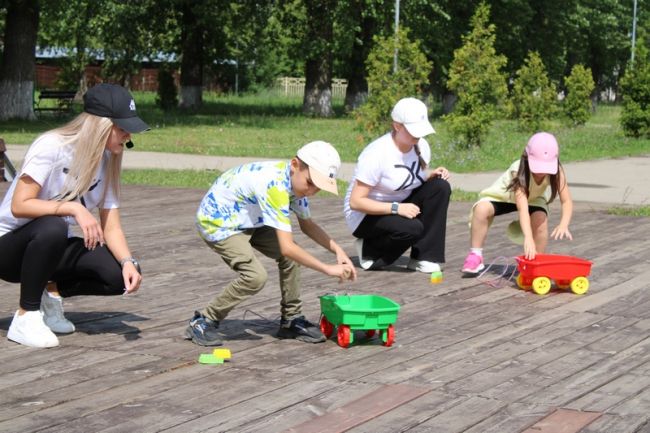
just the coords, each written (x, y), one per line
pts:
(436, 277)
(222, 353)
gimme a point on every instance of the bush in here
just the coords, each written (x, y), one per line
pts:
(167, 98)
(477, 79)
(533, 95)
(385, 86)
(577, 104)
(635, 88)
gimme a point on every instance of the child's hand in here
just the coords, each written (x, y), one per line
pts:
(561, 232)
(530, 251)
(344, 272)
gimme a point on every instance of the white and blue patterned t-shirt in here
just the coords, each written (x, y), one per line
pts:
(250, 196)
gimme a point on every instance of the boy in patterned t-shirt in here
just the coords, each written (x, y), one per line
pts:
(248, 207)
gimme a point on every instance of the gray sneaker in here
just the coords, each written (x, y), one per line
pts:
(203, 331)
(301, 329)
(53, 317)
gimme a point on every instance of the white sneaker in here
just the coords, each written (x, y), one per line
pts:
(365, 264)
(30, 330)
(423, 266)
(53, 317)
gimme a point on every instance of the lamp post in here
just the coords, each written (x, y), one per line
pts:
(633, 33)
(396, 37)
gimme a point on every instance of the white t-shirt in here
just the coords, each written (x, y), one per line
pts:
(47, 162)
(392, 174)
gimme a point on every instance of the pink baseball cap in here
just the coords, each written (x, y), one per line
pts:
(542, 151)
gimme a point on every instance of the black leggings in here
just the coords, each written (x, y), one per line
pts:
(386, 237)
(40, 251)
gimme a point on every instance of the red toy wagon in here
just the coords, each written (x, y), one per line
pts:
(566, 271)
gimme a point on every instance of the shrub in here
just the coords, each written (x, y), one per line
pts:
(477, 79)
(577, 104)
(635, 88)
(533, 95)
(386, 86)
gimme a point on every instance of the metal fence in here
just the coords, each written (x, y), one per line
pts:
(295, 86)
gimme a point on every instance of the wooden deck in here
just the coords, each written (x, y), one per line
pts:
(468, 356)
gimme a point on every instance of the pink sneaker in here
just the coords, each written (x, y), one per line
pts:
(473, 264)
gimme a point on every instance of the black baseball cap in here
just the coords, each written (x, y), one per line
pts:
(116, 103)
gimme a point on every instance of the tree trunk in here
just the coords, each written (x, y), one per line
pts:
(318, 67)
(357, 91)
(191, 94)
(18, 61)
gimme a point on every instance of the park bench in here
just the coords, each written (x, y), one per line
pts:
(7, 170)
(63, 98)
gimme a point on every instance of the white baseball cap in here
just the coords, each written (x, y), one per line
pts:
(413, 114)
(324, 164)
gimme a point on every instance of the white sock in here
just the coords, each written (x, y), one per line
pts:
(477, 251)
(53, 296)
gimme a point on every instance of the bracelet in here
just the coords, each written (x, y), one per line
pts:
(132, 260)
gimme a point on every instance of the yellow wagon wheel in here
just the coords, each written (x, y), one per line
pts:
(579, 285)
(541, 285)
(520, 282)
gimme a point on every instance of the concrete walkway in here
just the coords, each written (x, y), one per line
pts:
(614, 181)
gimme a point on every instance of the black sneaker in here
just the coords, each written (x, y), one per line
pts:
(203, 331)
(300, 329)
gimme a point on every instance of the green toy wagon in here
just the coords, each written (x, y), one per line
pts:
(349, 313)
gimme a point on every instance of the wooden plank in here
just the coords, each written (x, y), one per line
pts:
(359, 411)
(563, 421)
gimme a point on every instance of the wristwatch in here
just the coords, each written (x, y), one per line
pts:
(394, 207)
(132, 260)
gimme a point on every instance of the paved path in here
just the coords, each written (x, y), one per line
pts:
(615, 181)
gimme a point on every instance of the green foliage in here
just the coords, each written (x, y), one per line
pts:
(577, 104)
(477, 79)
(635, 88)
(533, 96)
(633, 211)
(167, 97)
(386, 86)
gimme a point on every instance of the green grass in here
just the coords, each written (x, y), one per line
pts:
(201, 179)
(267, 125)
(635, 211)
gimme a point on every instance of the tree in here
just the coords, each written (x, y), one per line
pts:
(477, 79)
(18, 69)
(635, 87)
(318, 66)
(577, 104)
(533, 95)
(77, 38)
(387, 86)
(356, 24)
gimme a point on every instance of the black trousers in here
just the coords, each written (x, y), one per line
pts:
(386, 237)
(40, 251)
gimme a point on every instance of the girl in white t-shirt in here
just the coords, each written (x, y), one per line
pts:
(394, 201)
(67, 172)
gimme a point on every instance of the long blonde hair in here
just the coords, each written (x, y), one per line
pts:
(87, 135)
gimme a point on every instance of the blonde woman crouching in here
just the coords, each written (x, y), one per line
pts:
(67, 172)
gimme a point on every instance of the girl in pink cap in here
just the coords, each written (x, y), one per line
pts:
(523, 188)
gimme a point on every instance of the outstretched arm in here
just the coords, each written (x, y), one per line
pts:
(562, 229)
(521, 200)
(116, 243)
(292, 250)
